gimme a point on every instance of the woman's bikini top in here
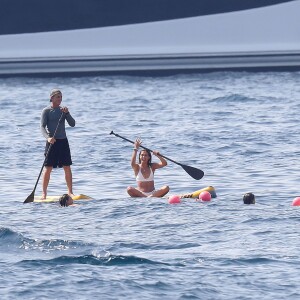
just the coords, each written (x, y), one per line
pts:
(140, 176)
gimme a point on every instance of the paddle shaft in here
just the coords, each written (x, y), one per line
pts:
(31, 196)
(132, 142)
(46, 156)
(193, 172)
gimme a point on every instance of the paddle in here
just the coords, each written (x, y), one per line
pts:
(193, 172)
(30, 198)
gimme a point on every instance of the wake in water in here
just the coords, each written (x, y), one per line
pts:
(11, 241)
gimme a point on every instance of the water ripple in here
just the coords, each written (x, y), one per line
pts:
(240, 128)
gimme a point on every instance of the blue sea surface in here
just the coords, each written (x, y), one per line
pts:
(240, 128)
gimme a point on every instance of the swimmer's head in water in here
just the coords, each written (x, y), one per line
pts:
(65, 200)
(249, 198)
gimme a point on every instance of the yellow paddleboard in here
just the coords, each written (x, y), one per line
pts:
(56, 198)
(196, 194)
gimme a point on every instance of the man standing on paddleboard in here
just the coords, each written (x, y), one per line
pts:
(57, 150)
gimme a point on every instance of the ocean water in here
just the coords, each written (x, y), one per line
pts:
(241, 129)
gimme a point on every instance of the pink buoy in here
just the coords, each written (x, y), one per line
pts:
(296, 201)
(205, 196)
(174, 199)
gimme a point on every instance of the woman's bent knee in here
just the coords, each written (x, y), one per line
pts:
(131, 190)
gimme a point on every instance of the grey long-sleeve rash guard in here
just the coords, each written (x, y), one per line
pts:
(49, 120)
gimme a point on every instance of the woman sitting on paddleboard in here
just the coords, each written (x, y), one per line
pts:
(144, 173)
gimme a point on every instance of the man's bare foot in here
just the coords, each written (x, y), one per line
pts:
(44, 196)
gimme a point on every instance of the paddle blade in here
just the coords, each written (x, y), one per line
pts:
(30, 198)
(193, 172)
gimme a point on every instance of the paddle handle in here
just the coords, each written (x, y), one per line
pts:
(132, 142)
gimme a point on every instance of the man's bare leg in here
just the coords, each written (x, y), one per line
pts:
(69, 180)
(45, 182)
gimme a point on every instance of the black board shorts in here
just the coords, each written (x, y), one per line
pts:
(59, 154)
